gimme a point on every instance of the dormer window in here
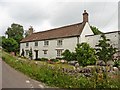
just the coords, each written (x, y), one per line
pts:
(36, 43)
(46, 43)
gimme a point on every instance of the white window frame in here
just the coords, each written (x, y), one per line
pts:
(59, 42)
(45, 52)
(46, 43)
(59, 52)
(36, 43)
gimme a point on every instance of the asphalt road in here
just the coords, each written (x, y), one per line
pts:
(15, 79)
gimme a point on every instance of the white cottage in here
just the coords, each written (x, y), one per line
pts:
(51, 43)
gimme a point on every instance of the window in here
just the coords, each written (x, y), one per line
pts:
(27, 44)
(36, 43)
(45, 52)
(59, 52)
(59, 42)
(27, 52)
(46, 43)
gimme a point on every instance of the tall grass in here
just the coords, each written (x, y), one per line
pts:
(53, 78)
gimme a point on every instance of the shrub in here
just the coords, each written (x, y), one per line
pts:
(44, 59)
(116, 63)
(85, 54)
(69, 56)
(54, 77)
(54, 60)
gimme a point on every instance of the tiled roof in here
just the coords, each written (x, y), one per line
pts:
(66, 31)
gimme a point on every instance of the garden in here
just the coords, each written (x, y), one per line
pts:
(79, 69)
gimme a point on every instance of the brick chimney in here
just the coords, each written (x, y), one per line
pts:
(85, 16)
(30, 31)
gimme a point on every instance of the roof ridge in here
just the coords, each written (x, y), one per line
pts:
(58, 27)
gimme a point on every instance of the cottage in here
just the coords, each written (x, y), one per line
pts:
(51, 43)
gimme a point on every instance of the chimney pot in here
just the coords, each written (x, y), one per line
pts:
(85, 16)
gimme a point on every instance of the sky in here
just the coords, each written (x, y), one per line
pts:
(48, 14)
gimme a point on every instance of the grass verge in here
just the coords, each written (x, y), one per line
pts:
(53, 78)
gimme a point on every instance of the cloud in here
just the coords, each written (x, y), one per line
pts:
(44, 15)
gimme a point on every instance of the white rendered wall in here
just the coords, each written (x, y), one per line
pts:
(93, 40)
(68, 43)
(86, 31)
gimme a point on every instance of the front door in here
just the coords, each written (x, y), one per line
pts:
(36, 54)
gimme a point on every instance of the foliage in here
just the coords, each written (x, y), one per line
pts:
(117, 63)
(54, 77)
(22, 54)
(15, 31)
(85, 54)
(95, 30)
(54, 60)
(44, 74)
(30, 53)
(44, 59)
(9, 44)
(105, 51)
(67, 55)
(0, 40)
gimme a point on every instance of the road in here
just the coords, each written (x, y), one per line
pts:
(15, 79)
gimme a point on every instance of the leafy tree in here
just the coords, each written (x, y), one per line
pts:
(85, 55)
(9, 44)
(104, 50)
(95, 30)
(15, 31)
(1, 37)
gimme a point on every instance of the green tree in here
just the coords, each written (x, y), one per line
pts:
(30, 53)
(95, 30)
(16, 32)
(85, 55)
(104, 50)
(9, 44)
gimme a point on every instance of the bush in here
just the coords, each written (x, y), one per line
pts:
(44, 59)
(54, 60)
(85, 54)
(69, 56)
(54, 77)
(38, 59)
(116, 63)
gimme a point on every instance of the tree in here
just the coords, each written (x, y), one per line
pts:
(85, 55)
(104, 50)
(95, 30)
(9, 44)
(15, 31)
